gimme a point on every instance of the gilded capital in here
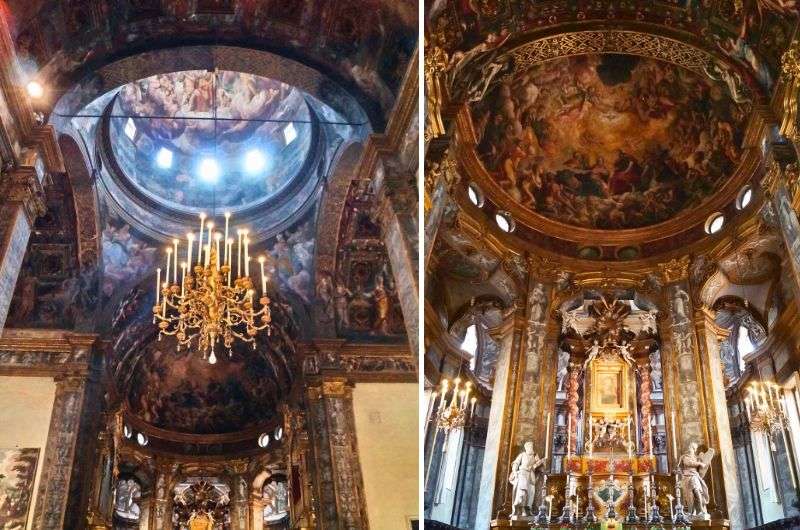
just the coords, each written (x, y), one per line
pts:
(674, 270)
(790, 61)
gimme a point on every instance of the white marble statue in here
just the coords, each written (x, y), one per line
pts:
(523, 478)
(694, 492)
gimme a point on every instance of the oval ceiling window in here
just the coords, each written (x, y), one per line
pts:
(142, 439)
(504, 221)
(475, 195)
(745, 196)
(628, 253)
(714, 223)
(127, 432)
(278, 433)
(263, 440)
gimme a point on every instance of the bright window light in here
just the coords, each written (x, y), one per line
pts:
(470, 343)
(714, 223)
(263, 440)
(744, 345)
(209, 170)
(35, 89)
(130, 129)
(745, 197)
(164, 158)
(289, 133)
(504, 222)
(254, 161)
(142, 439)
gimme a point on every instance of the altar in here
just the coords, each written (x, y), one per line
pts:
(611, 455)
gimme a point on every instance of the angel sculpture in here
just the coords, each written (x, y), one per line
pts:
(592, 353)
(625, 351)
(693, 468)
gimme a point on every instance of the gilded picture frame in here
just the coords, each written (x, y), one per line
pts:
(609, 388)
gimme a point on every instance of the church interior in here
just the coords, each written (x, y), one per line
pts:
(208, 264)
(611, 264)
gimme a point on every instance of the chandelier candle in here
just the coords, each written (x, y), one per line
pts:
(208, 304)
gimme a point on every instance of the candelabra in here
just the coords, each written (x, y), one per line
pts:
(566, 513)
(631, 517)
(766, 410)
(543, 517)
(210, 302)
(680, 516)
(590, 517)
(655, 515)
(453, 411)
(611, 513)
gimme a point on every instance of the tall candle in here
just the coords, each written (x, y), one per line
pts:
(547, 437)
(227, 221)
(239, 254)
(246, 256)
(200, 243)
(591, 438)
(674, 440)
(569, 434)
(229, 260)
(183, 278)
(261, 260)
(210, 226)
(650, 433)
(158, 285)
(175, 264)
(630, 445)
(169, 260)
(217, 237)
(190, 239)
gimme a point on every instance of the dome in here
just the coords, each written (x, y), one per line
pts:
(607, 141)
(164, 130)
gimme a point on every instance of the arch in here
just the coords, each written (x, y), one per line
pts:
(85, 202)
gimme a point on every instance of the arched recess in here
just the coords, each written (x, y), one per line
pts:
(329, 221)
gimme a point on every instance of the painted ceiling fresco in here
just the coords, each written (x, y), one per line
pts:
(179, 391)
(258, 156)
(365, 44)
(609, 141)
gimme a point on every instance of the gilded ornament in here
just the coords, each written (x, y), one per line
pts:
(675, 270)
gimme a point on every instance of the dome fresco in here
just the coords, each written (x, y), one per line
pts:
(163, 129)
(609, 141)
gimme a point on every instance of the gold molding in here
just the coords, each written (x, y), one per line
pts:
(675, 270)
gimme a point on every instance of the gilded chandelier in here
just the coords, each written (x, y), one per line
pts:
(210, 303)
(452, 413)
(765, 408)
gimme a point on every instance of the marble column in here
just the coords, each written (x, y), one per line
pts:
(515, 414)
(240, 516)
(646, 410)
(693, 390)
(256, 509)
(23, 202)
(399, 225)
(144, 514)
(339, 485)
(724, 476)
(776, 184)
(59, 454)
(159, 507)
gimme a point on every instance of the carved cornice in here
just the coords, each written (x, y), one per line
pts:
(33, 352)
(322, 359)
(23, 185)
